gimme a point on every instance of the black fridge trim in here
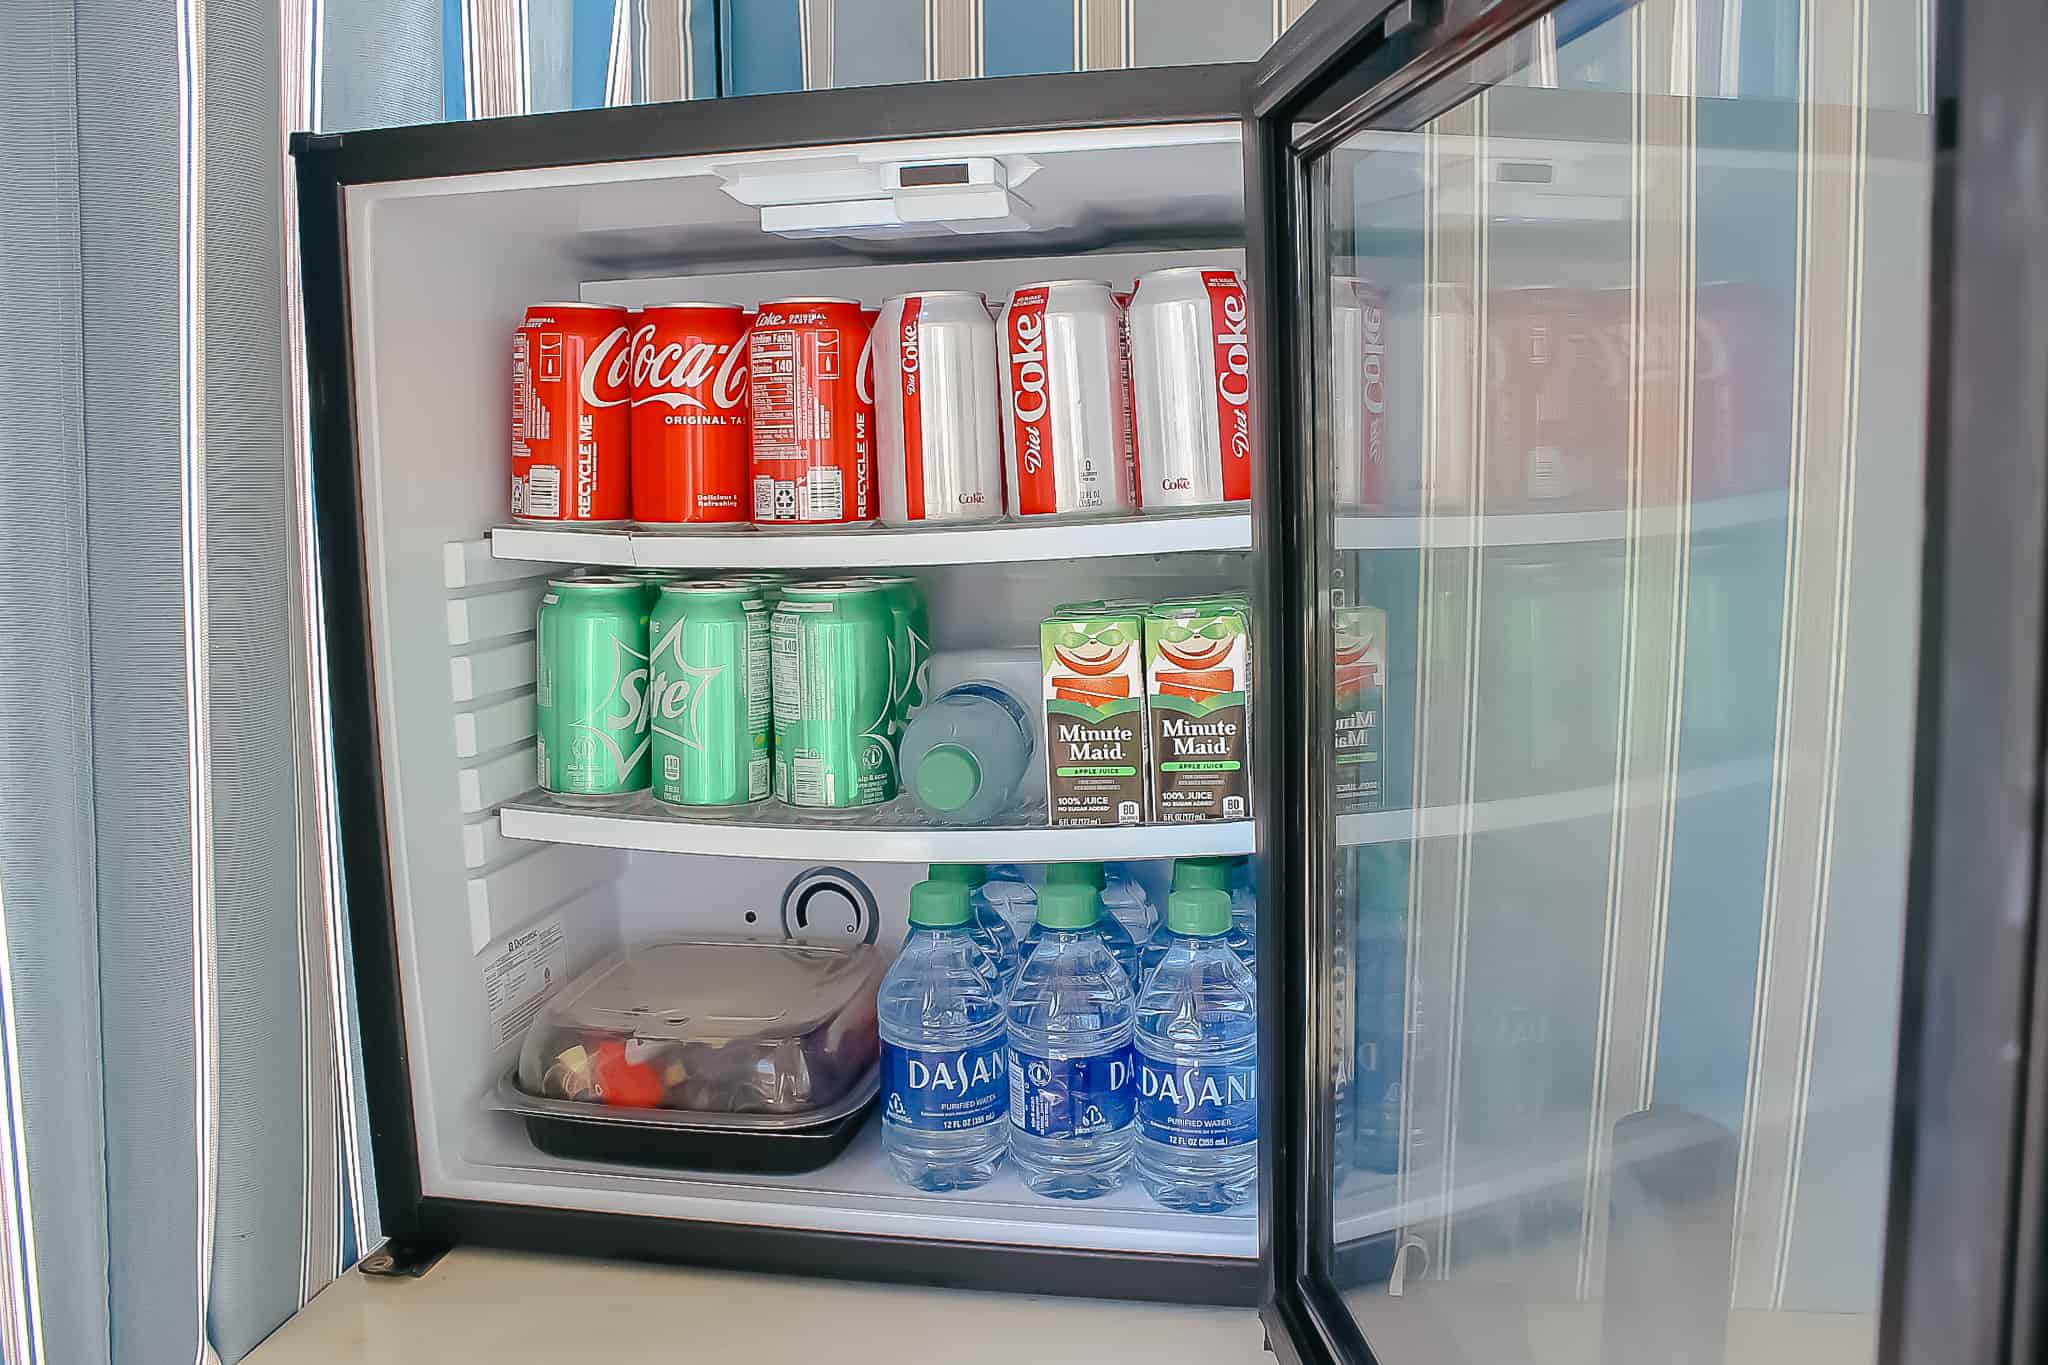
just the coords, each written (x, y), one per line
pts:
(1348, 61)
(1141, 1276)
(326, 165)
(1004, 104)
(1964, 1232)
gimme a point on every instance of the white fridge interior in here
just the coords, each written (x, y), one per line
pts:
(439, 272)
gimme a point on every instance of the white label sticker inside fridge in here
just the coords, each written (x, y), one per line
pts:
(519, 973)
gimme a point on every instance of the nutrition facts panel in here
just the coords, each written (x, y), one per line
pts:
(792, 416)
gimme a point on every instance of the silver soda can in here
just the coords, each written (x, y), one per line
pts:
(1063, 401)
(1191, 387)
(1358, 393)
(937, 414)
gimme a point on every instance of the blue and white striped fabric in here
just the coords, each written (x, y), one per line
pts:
(527, 56)
(173, 1129)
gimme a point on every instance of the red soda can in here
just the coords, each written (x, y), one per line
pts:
(571, 386)
(690, 448)
(813, 436)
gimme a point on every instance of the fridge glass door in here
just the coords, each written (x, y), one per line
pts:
(1613, 459)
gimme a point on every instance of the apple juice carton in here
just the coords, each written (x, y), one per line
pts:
(1198, 696)
(1093, 658)
(1361, 639)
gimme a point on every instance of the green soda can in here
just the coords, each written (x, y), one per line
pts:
(833, 745)
(910, 647)
(653, 580)
(768, 581)
(590, 686)
(707, 694)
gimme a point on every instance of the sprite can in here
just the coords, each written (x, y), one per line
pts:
(590, 686)
(833, 745)
(910, 647)
(707, 694)
(769, 582)
(651, 579)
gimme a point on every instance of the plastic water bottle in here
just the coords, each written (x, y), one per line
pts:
(1129, 952)
(1207, 874)
(1010, 893)
(965, 752)
(990, 929)
(944, 1094)
(1198, 1062)
(1125, 897)
(1244, 908)
(1071, 1068)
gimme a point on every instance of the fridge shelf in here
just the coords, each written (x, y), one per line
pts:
(884, 834)
(1465, 530)
(1522, 812)
(854, 1194)
(988, 543)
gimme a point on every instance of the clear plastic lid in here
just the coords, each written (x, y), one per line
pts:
(712, 1026)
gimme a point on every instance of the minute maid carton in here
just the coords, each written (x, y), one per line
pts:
(1198, 696)
(1361, 694)
(1092, 655)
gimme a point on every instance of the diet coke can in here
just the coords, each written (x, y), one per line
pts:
(1191, 382)
(690, 448)
(1123, 299)
(1358, 391)
(813, 456)
(1063, 401)
(936, 411)
(571, 383)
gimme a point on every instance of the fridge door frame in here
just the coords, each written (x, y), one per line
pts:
(1966, 1240)
(327, 165)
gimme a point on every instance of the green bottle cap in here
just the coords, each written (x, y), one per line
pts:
(1067, 905)
(1074, 874)
(938, 905)
(947, 778)
(1204, 912)
(1201, 874)
(966, 874)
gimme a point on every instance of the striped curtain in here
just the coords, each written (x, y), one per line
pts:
(502, 57)
(174, 1141)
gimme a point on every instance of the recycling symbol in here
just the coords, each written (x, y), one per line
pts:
(896, 1109)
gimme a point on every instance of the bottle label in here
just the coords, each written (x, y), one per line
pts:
(1198, 1106)
(943, 1090)
(1071, 1097)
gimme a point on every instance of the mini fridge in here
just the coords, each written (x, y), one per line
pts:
(1637, 831)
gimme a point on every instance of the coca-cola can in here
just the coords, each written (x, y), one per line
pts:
(1358, 392)
(1191, 387)
(813, 456)
(1063, 405)
(571, 386)
(691, 452)
(937, 417)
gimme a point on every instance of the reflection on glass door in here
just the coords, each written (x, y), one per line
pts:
(1620, 353)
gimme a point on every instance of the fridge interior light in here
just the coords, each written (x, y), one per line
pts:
(846, 195)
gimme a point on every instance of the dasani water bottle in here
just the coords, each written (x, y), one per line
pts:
(1071, 1066)
(989, 927)
(1197, 1044)
(944, 1100)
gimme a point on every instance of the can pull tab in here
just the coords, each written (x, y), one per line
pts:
(1397, 1279)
